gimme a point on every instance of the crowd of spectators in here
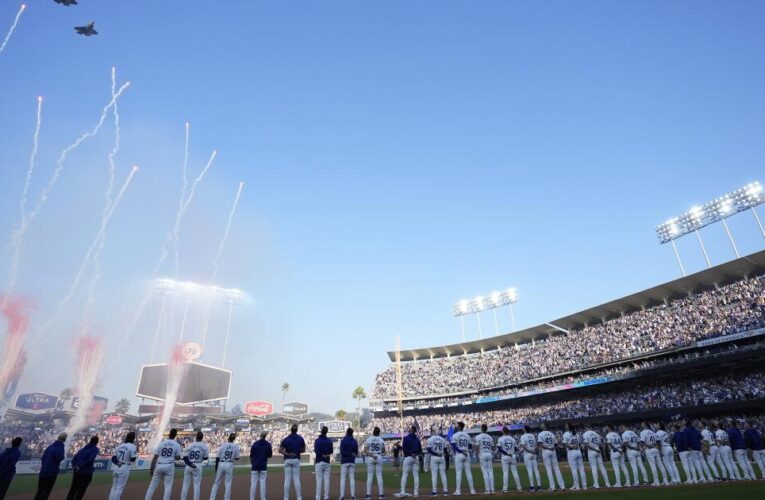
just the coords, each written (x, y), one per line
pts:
(733, 308)
(36, 438)
(628, 369)
(640, 397)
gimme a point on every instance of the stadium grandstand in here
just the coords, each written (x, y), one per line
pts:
(692, 346)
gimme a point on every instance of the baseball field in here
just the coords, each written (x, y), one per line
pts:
(23, 487)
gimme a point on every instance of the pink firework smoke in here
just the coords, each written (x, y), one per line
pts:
(176, 371)
(90, 361)
(13, 355)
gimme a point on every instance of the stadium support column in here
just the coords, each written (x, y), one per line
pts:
(159, 326)
(512, 316)
(480, 331)
(677, 256)
(759, 223)
(228, 331)
(703, 248)
(399, 387)
(496, 323)
(462, 324)
(730, 237)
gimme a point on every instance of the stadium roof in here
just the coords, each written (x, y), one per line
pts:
(750, 265)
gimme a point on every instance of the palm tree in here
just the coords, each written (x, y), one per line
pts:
(122, 406)
(285, 388)
(358, 395)
(341, 414)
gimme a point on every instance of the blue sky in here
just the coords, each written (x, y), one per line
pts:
(397, 157)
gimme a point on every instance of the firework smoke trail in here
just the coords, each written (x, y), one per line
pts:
(183, 191)
(176, 370)
(13, 355)
(115, 147)
(101, 239)
(93, 253)
(31, 167)
(17, 237)
(170, 238)
(32, 158)
(222, 245)
(13, 27)
(90, 361)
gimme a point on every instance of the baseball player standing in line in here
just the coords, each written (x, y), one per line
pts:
(573, 444)
(632, 443)
(9, 457)
(485, 445)
(681, 445)
(436, 445)
(196, 453)
(547, 441)
(593, 443)
(648, 438)
(426, 458)
(349, 450)
(726, 454)
(461, 444)
(508, 449)
(162, 467)
(667, 453)
(123, 457)
(260, 452)
(291, 447)
(228, 453)
(754, 443)
(739, 450)
(323, 450)
(529, 447)
(712, 452)
(695, 458)
(616, 449)
(412, 450)
(374, 447)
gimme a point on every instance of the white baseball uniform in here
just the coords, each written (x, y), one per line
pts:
(713, 454)
(126, 454)
(633, 455)
(529, 447)
(197, 453)
(546, 440)
(592, 442)
(485, 445)
(375, 449)
(573, 444)
(508, 448)
(726, 454)
(652, 454)
(462, 443)
(436, 446)
(167, 452)
(228, 453)
(616, 451)
(668, 455)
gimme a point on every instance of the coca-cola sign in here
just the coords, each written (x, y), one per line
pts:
(258, 408)
(113, 420)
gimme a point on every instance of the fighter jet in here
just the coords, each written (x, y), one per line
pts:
(87, 30)
(66, 3)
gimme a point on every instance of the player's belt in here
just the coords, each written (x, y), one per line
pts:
(436, 454)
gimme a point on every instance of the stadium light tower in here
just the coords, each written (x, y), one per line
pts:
(480, 303)
(717, 210)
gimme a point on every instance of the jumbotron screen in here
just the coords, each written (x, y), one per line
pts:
(200, 384)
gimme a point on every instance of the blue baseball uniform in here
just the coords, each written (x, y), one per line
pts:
(260, 452)
(323, 449)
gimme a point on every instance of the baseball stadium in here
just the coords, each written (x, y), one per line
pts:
(182, 308)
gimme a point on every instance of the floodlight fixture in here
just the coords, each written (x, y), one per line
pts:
(480, 303)
(191, 289)
(717, 210)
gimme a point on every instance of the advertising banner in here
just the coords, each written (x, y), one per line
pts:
(335, 426)
(258, 408)
(113, 420)
(295, 408)
(36, 401)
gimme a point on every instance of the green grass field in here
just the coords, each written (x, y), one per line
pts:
(742, 490)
